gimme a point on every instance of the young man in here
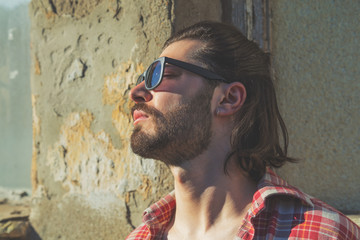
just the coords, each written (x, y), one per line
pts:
(207, 109)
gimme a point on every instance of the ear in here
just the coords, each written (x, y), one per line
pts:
(232, 98)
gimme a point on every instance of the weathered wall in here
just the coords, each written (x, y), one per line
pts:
(86, 55)
(315, 50)
(187, 12)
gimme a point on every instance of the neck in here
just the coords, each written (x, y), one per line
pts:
(207, 198)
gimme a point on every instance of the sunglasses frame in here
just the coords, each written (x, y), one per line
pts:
(184, 65)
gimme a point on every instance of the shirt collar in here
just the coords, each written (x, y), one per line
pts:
(159, 214)
(271, 184)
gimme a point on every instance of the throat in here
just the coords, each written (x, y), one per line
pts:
(208, 200)
(205, 210)
(206, 225)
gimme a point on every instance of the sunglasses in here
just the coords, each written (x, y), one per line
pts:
(154, 74)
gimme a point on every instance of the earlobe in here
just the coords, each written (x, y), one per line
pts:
(233, 98)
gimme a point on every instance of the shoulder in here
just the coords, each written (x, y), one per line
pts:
(283, 211)
(322, 221)
(291, 217)
(155, 219)
(141, 232)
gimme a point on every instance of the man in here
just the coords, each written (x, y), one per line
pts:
(207, 109)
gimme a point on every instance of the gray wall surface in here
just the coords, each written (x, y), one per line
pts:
(316, 60)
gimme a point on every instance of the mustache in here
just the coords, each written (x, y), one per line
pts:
(145, 108)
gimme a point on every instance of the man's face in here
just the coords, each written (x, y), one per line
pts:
(172, 123)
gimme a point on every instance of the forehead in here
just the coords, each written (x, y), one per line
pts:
(181, 50)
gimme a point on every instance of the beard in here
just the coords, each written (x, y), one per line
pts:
(181, 134)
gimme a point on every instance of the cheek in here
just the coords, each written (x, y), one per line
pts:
(165, 102)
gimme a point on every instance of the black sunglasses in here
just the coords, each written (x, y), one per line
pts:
(154, 74)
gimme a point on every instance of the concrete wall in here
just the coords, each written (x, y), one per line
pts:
(86, 55)
(316, 56)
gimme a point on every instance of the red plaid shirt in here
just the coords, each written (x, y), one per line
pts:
(278, 211)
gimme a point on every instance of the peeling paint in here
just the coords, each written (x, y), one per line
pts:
(115, 91)
(146, 187)
(37, 66)
(50, 14)
(83, 161)
(35, 146)
(76, 70)
(36, 120)
(119, 82)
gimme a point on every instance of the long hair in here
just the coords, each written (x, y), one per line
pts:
(255, 138)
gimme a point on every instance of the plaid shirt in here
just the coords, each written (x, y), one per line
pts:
(278, 211)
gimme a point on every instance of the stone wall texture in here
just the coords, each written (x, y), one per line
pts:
(86, 56)
(316, 56)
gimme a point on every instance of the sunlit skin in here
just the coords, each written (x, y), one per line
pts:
(209, 203)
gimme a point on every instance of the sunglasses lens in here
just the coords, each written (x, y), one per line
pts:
(153, 76)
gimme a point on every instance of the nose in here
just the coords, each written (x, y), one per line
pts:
(140, 94)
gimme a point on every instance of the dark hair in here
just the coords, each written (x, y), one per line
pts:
(255, 136)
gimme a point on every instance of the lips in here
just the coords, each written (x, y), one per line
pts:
(139, 115)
